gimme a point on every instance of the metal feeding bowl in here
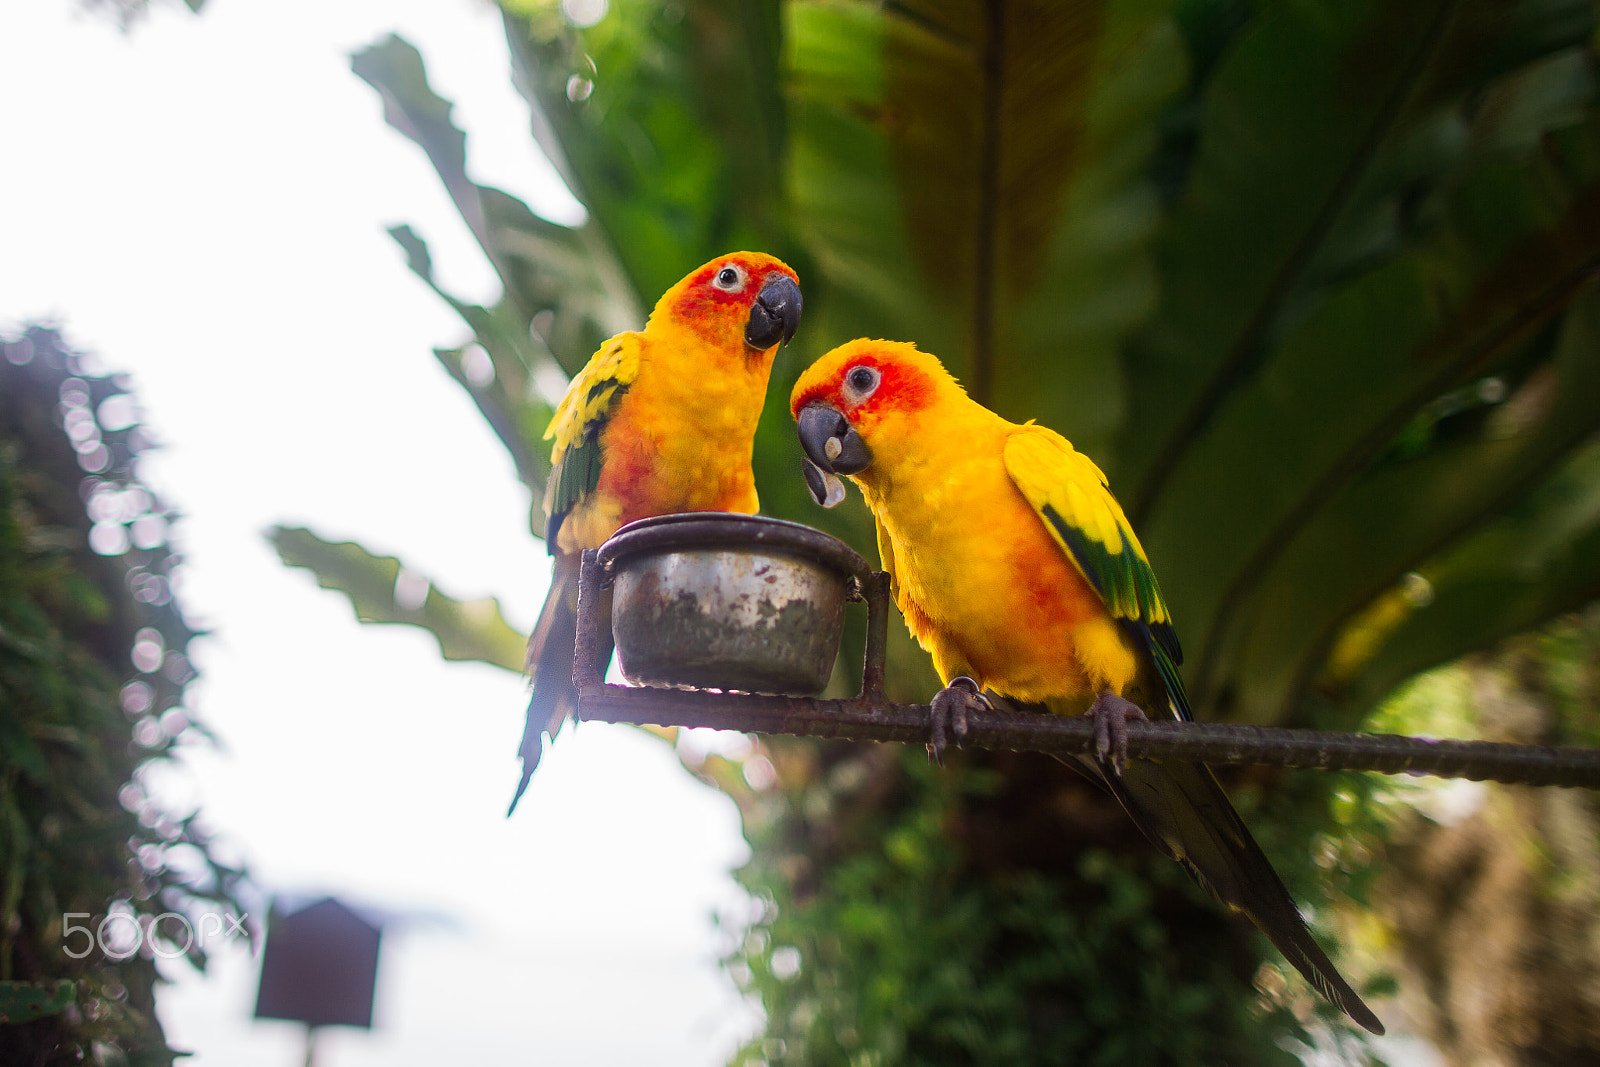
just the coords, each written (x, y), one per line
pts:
(712, 600)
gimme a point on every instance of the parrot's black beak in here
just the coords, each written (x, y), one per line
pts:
(775, 316)
(831, 442)
(832, 448)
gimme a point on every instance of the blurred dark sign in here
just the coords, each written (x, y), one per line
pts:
(320, 967)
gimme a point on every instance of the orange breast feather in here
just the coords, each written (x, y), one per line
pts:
(994, 596)
(680, 439)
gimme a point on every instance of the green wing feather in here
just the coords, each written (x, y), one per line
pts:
(1070, 495)
(576, 456)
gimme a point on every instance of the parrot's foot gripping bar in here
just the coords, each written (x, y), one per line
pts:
(870, 717)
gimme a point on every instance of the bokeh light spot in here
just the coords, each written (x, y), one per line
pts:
(150, 588)
(105, 503)
(79, 424)
(117, 412)
(147, 733)
(95, 459)
(1417, 590)
(136, 698)
(584, 13)
(760, 773)
(550, 382)
(174, 721)
(579, 88)
(148, 649)
(108, 538)
(74, 393)
(477, 366)
(149, 531)
(177, 669)
(410, 590)
(131, 797)
(785, 963)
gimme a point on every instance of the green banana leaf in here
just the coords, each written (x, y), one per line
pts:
(1540, 559)
(1366, 539)
(1318, 116)
(562, 295)
(381, 591)
(1486, 235)
(666, 122)
(973, 178)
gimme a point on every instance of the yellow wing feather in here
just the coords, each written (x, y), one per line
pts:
(589, 397)
(576, 425)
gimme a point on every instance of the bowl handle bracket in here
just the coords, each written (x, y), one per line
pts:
(875, 591)
(594, 582)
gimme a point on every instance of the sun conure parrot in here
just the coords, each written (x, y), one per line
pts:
(661, 420)
(1016, 569)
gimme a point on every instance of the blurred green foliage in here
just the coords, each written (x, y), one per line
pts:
(1313, 282)
(883, 940)
(1487, 899)
(92, 676)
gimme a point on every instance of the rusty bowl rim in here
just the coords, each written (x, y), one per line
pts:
(725, 529)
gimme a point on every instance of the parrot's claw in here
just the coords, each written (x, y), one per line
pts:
(1111, 714)
(948, 714)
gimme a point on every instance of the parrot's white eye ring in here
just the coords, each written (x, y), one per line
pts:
(861, 382)
(730, 279)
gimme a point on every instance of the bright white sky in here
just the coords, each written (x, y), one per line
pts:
(202, 203)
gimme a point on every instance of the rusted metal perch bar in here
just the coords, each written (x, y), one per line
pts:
(869, 717)
(1213, 743)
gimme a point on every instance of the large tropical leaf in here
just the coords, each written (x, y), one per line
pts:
(563, 293)
(382, 591)
(1535, 562)
(503, 395)
(1391, 521)
(972, 177)
(1319, 119)
(1452, 233)
(567, 273)
(666, 122)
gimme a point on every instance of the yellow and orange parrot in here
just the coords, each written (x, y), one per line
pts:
(1016, 569)
(661, 420)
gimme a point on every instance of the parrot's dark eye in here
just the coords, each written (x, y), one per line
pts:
(861, 381)
(730, 279)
